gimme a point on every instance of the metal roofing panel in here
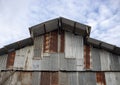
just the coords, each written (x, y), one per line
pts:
(37, 30)
(107, 46)
(93, 42)
(51, 25)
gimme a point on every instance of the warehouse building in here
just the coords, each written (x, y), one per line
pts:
(60, 52)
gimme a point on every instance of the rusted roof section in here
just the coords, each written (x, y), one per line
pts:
(60, 24)
(104, 45)
(16, 45)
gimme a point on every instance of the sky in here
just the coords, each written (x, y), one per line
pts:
(16, 16)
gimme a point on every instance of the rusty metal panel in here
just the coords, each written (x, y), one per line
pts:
(95, 56)
(51, 42)
(54, 78)
(10, 60)
(100, 78)
(62, 42)
(87, 57)
(38, 46)
(23, 58)
(3, 61)
(45, 78)
(115, 64)
(87, 78)
(105, 60)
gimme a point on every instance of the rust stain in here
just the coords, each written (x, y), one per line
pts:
(54, 78)
(45, 78)
(51, 42)
(100, 77)
(87, 56)
(62, 41)
(10, 60)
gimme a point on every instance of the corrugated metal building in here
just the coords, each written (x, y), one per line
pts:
(60, 52)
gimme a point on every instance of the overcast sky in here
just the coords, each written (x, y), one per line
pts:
(16, 16)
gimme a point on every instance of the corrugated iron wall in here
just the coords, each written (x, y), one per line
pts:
(60, 59)
(62, 78)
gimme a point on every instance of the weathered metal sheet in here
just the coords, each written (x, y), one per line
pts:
(36, 78)
(73, 46)
(62, 42)
(48, 63)
(95, 56)
(45, 78)
(23, 59)
(100, 78)
(112, 78)
(3, 60)
(29, 57)
(68, 78)
(68, 64)
(38, 47)
(87, 78)
(49, 78)
(74, 49)
(115, 64)
(51, 42)
(87, 57)
(10, 60)
(105, 60)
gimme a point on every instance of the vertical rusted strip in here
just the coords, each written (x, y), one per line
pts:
(62, 45)
(54, 41)
(45, 78)
(100, 77)
(10, 60)
(51, 42)
(46, 42)
(54, 78)
(87, 56)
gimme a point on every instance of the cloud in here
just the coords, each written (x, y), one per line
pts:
(17, 15)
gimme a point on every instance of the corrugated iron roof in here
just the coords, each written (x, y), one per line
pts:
(60, 24)
(16, 45)
(103, 45)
